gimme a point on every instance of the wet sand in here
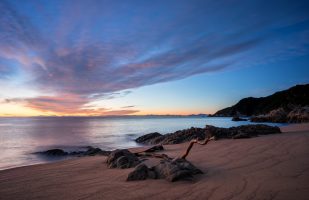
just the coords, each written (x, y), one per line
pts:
(266, 167)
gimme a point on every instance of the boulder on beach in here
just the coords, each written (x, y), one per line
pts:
(171, 170)
(122, 158)
(178, 169)
(141, 172)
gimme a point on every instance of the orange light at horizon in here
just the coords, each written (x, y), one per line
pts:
(12, 110)
(17, 110)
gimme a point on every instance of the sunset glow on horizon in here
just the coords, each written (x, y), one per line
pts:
(98, 58)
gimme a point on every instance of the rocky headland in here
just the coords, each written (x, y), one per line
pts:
(287, 106)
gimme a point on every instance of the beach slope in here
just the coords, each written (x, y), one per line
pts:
(266, 167)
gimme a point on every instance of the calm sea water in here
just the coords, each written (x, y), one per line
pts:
(21, 137)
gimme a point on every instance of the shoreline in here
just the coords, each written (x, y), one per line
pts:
(21, 159)
(272, 166)
(284, 128)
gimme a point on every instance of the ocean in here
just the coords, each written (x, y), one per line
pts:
(21, 137)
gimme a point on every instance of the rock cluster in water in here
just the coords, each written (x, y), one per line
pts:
(172, 138)
(91, 151)
(245, 131)
(238, 119)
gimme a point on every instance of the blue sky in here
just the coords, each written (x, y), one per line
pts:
(147, 57)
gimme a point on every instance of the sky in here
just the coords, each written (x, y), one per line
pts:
(93, 58)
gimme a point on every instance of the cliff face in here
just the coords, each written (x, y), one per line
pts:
(297, 96)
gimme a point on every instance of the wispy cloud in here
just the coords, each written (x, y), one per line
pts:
(86, 50)
(67, 104)
(128, 106)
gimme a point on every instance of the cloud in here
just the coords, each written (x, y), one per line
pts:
(128, 106)
(112, 95)
(120, 112)
(67, 104)
(84, 51)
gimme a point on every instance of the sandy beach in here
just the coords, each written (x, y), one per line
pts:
(266, 167)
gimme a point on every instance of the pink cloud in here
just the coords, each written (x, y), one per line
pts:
(67, 104)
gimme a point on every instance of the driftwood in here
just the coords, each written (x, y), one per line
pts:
(192, 142)
(168, 168)
(166, 157)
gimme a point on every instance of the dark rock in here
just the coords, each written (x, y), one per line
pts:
(123, 162)
(76, 153)
(176, 137)
(295, 114)
(171, 170)
(152, 174)
(277, 116)
(245, 131)
(237, 119)
(122, 158)
(219, 133)
(258, 129)
(141, 172)
(146, 138)
(241, 135)
(154, 149)
(184, 136)
(299, 115)
(54, 152)
(91, 151)
(157, 140)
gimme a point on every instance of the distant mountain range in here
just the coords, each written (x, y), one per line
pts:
(297, 96)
